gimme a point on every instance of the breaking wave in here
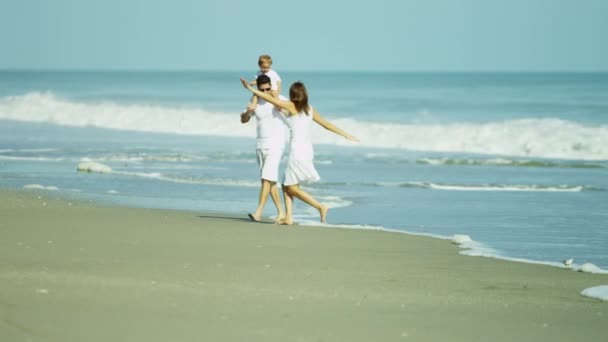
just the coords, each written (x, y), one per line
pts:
(538, 138)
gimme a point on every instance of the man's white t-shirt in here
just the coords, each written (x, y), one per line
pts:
(274, 78)
(271, 126)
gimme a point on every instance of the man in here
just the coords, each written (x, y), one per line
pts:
(270, 143)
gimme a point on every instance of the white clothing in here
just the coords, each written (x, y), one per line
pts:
(274, 78)
(300, 166)
(268, 161)
(271, 139)
(271, 126)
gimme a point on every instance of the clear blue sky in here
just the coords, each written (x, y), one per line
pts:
(408, 35)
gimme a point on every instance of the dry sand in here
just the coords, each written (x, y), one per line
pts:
(76, 271)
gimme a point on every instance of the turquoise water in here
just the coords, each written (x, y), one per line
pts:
(518, 162)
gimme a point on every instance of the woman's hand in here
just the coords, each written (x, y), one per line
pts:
(351, 138)
(245, 83)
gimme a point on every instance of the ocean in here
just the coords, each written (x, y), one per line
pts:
(516, 161)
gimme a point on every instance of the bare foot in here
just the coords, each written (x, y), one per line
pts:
(254, 218)
(279, 219)
(323, 212)
(286, 222)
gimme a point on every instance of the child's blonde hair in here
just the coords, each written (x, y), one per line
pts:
(265, 59)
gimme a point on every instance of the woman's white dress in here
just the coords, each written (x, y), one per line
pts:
(300, 167)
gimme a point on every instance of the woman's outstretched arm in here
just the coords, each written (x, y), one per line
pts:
(267, 97)
(331, 127)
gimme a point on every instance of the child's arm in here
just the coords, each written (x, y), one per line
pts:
(276, 83)
(278, 91)
(331, 127)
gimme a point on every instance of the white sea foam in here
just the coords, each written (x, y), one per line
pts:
(470, 247)
(476, 248)
(191, 180)
(485, 187)
(37, 159)
(334, 201)
(543, 138)
(324, 162)
(305, 221)
(331, 202)
(36, 150)
(599, 292)
(144, 157)
(590, 268)
(508, 162)
(504, 187)
(90, 166)
(40, 187)
(46, 107)
(460, 239)
(28, 150)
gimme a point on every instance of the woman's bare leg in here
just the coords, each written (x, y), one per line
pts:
(304, 196)
(288, 205)
(274, 194)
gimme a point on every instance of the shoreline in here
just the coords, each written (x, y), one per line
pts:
(467, 247)
(471, 248)
(73, 271)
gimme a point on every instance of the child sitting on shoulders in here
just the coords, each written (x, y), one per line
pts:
(265, 62)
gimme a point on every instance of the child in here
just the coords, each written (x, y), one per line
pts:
(300, 165)
(265, 62)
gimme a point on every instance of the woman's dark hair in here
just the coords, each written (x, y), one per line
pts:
(299, 96)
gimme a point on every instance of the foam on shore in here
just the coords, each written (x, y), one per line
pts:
(40, 187)
(590, 268)
(469, 246)
(95, 167)
(489, 187)
(599, 292)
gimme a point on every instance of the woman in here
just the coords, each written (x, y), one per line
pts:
(300, 167)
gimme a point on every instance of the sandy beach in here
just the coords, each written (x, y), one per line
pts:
(78, 271)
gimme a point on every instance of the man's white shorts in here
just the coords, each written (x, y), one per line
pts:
(269, 160)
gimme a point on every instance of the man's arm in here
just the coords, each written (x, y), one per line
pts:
(246, 116)
(253, 103)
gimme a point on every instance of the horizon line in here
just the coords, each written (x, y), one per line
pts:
(514, 71)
